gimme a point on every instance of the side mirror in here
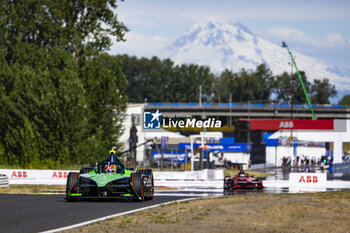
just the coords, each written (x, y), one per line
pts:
(129, 168)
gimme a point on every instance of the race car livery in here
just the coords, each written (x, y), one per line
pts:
(241, 181)
(110, 179)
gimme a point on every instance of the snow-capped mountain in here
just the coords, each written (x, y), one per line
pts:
(226, 46)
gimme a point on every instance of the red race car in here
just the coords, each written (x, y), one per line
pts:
(242, 181)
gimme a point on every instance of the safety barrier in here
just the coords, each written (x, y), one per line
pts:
(341, 167)
(203, 179)
(308, 180)
(196, 179)
(4, 181)
(33, 176)
(203, 175)
(59, 177)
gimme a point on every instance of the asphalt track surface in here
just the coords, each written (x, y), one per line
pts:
(36, 213)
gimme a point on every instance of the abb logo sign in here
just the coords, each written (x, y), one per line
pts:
(309, 179)
(286, 124)
(59, 175)
(19, 174)
(276, 124)
(36, 176)
(23, 174)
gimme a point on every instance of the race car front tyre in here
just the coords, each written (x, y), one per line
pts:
(72, 185)
(226, 186)
(148, 195)
(152, 194)
(141, 184)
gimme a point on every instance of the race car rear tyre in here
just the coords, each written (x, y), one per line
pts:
(72, 182)
(139, 186)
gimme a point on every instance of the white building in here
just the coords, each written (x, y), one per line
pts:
(133, 111)
(340, 134)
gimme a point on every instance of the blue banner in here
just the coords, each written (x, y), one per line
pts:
(219, 147)
(227, 140)
(177, 156)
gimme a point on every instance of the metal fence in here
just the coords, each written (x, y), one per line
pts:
(4, 181)
(341, 167)
(261, 166)
(177, 160)
(169, 159)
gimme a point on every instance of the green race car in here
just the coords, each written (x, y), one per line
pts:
(111, 179)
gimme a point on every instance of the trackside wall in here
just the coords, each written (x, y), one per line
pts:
(59, 177)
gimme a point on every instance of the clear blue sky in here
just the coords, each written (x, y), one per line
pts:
(320, 29)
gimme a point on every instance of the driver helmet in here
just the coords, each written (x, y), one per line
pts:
(112, 168)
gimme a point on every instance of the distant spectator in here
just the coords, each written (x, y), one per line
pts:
(330, 168)
(302, 160)
(221, 158)
(322, 166)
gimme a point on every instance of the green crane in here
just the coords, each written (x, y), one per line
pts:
(284, 45)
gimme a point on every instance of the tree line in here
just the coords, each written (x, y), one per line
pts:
(62, 97)
(156, 80)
